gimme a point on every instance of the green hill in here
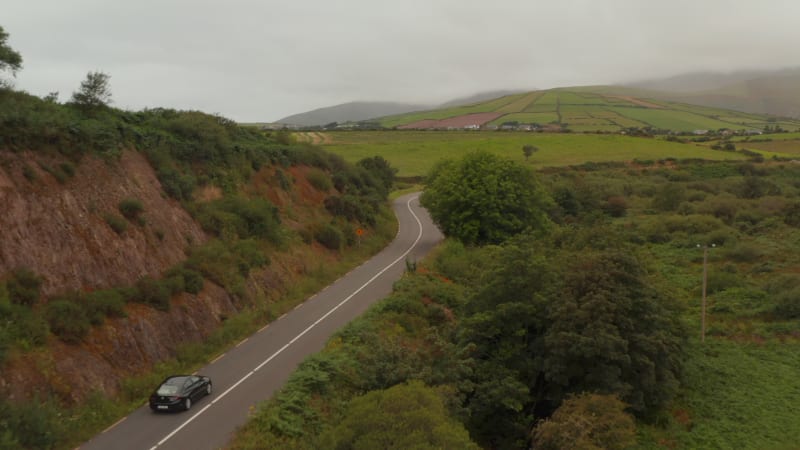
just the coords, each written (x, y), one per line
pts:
(586, 109)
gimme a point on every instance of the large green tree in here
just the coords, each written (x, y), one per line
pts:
(484, 199)
(405, 416)
(549, 322)
(611, 330)
(10, 59)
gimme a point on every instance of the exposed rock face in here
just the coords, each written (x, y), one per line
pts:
(118, 349)
(59, 230)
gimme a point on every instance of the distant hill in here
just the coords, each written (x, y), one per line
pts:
(774, 92)
(480, 97)
(349, 112)
(585, 109)
(360, 111)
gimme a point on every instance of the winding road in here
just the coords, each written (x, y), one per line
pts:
(261, 364)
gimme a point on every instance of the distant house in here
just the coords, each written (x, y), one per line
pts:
(753, 132)
(700, 132)
(472, 126)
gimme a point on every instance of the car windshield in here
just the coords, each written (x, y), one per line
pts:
(171, 386)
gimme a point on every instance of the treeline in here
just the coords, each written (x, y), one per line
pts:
(565, 330)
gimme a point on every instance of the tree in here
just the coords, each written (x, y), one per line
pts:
(10, 60)
(381, 169)
(610, 330)
(404, 416)
(483, 199)
(95, 91)
(529, 150)
(587, 422)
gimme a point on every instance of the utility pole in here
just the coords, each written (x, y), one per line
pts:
(705, 284)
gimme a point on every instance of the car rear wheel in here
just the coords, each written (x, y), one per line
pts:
(187, 404)
(208, 389)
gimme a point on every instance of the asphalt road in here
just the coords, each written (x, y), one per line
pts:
(261, 364)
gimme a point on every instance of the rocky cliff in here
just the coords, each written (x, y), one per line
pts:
(56, 225)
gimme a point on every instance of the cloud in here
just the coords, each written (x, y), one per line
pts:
(262, 60)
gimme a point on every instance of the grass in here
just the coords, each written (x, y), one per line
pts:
(735, 395)
(413, 153)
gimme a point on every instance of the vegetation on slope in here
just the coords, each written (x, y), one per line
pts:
(190, 151)
(607, 302)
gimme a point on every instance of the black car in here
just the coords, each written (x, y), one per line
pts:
(178, 392)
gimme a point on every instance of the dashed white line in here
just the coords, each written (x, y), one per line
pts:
(309, 328)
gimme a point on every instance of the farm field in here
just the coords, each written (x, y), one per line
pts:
(413, 153)
(617, 111)
(789, 147)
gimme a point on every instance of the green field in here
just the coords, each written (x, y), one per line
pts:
(413, 153)
(629, 111)
(540, 118)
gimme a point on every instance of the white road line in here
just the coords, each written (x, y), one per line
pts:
(115, 424)
(243, 341)
(263, 328)
(310, 327)
(217, 358)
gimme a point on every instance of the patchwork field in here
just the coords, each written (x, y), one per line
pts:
(582, 110)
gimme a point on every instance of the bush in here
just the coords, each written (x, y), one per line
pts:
(319, 180)
(153, 292)
(109, 302)
(788, 304)
(67, 320)
(587, 421)
(745, 253)
(329, 236)
(616, 206)
(117, 223)
(240, 217)
(131, 208)
(23, 286)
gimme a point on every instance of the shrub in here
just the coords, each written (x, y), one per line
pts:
(67, 320)
(109, 302)
(788, 304)
(67, 168)
(329, 236)
(153, 292)
(240, 217)
(587, 421)
(616, 206)
(131, 208)
(117, 223)
(29, 173)
(319, 180)
(192, 281)
(23, 286)
(745, 253)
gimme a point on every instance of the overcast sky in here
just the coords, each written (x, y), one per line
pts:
(253, 60)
